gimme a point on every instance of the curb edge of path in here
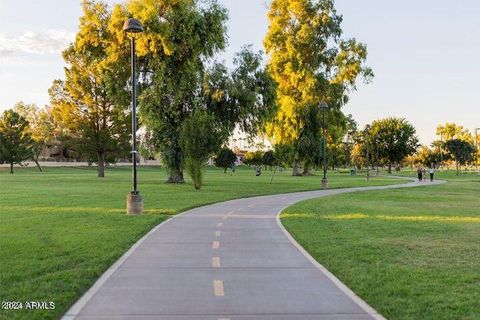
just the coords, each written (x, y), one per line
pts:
(339, 284)
(75, 309)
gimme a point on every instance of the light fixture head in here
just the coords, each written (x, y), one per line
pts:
(132, 26)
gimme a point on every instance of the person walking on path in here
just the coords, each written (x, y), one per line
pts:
(432, 172)
(419, 174)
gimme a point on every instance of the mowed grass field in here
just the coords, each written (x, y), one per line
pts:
(410, 253)
(61, 229)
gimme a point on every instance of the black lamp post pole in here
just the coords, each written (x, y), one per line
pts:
(476, 149)
(324, 147)
(441, 150)
(134, 199)
(324, 107)
(134, 116)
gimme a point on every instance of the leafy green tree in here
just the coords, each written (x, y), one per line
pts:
(86, 103)
(42, 127)
(199, 139)
(311, 63)
(462, 151)
(394, 138)
(225, 159)
(15, 139)
(180, 40)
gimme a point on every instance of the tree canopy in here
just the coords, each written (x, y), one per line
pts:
(311, 63)
(178, 74)
(393, 140)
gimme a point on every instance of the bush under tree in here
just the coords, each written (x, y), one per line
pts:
(199, 139)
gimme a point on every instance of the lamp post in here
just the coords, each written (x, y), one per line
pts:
(134, 199)
(367, 147)
(376, 155)
(441, 150)
(324, 108)
(476, 149)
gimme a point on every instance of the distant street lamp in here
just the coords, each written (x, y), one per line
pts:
(324, 107)
(441, 150)
(134, 199)
(367, 147)
(476, 149)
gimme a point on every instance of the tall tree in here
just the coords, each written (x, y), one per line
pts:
(394, 139)
(180, 40)
(86, 103)
(15, 139)
(311, 63)
(461, 150)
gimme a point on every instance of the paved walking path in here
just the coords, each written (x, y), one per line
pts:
(230, 260)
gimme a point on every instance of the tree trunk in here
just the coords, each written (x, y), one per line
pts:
(389, 168)
(225, 170)
(307, 170)
(101, 164)
(11, 167)
(38, 164)
(456, 162)
(296, 169)
(176, 176)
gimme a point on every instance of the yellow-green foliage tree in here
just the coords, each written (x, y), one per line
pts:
(451, 131)
(41, 126)
(89, 105)
(311, 63)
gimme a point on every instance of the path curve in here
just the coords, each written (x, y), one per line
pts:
(229, 260)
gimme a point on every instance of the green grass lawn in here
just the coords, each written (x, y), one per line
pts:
(61, 229)
(409, 253)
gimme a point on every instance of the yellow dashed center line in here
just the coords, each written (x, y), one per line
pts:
(216, 262)
(218, 233)
(218, 288)
(216, 244)
(219, 224)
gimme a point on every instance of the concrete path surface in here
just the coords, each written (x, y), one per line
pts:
(230, 260)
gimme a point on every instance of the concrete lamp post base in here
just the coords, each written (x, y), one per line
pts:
(134, 204)
(324, 183)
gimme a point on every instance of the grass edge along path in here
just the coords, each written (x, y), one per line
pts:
(410, 253)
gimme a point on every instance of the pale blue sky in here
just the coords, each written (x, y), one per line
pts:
(425, 54)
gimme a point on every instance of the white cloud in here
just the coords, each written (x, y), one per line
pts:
(47, 42)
